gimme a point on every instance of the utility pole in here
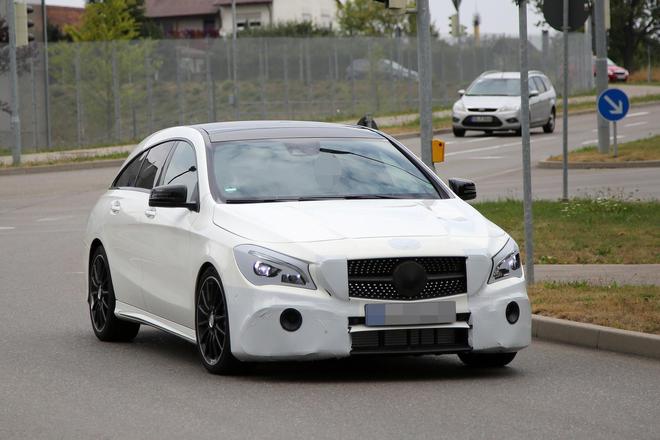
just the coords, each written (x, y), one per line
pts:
(565, 106)
(233, 58)
(601, 72)
(13, 78)
(425, 85)
(44, 21)
(524, 125)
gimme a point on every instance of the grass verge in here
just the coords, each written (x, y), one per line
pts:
(584, 231)
(642, 149)
(634, 308)
(73, 159)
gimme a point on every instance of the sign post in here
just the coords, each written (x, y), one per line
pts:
(613, 105)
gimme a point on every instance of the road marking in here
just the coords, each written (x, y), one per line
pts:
(6, 228)
(632, 115)
(595, 141)
(501, 173)
(635, 124)
(494, 147)
(486, 157)
(53, 219)
(479, 139)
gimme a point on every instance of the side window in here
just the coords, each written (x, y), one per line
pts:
(127, 177)
(152, 164)
(548, 84)
(182, 170)
(537, 84)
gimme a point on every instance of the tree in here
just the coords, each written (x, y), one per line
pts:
(634, 24)
(105, 21)
(146, 27)
(288, 29)
(370, 18)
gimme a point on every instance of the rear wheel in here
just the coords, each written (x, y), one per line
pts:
(101, 299)
(549, 127)
(486, 360)
(458, 132)
(212, 325)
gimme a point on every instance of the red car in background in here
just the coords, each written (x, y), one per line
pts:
(614, 73)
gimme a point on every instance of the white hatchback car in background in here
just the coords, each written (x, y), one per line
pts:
(262, 241)
(492, 103)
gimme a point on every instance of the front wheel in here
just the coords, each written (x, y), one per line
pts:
(486, 360)
(101, 299)
(212, 325)
(549, 127)
(458, 132)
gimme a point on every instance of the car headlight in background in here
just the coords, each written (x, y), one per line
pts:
(459, 106)
(506, 264)
(262, 267)
(510, 108)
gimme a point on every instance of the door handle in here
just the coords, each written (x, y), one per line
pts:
(150, 212)
(115, 207)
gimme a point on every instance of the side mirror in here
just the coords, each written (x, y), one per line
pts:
(461, 92)
(533, 93)
(465, 189)
(171, 196)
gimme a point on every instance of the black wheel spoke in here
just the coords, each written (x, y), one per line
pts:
(211, 320)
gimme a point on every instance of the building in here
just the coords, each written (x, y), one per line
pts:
(212, 18)
(58, 17)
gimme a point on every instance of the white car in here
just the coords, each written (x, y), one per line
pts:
(261, 241)
(492, 103)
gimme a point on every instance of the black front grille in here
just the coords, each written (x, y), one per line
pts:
(374, 278)
(425, 340)
(482, 110)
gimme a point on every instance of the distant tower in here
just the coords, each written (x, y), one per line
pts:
(476, 21)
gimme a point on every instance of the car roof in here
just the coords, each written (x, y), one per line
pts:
(509, 75)
(243, 130)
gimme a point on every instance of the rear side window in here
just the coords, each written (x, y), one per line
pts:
(548, 84)
(182, 170)
(540, 86)
(127, 177)
(152, 165)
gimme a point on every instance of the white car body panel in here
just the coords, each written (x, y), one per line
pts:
(155, 262)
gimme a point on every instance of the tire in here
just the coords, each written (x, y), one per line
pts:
(101, 299)
(212, 325)
(549, 126)
(458, 132)
(486, 360)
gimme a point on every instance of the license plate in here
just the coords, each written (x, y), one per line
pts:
(482, 119)
(410, 314)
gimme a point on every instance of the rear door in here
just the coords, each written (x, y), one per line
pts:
(121, 230)
(169, 278)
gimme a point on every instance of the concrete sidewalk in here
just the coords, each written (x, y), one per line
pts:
(633, 274)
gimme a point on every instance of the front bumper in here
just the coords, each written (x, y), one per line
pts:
(499, 120)
(329, 323)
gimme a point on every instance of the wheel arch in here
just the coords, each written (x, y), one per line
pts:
(203, 269)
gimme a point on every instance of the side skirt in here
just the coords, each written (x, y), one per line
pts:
(131, 313)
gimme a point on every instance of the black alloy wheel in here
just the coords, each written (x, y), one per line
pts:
(549, 127)
(101, 300)
(212, 325)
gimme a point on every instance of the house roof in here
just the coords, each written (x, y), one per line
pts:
(178, 8)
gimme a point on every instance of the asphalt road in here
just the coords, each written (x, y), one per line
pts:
(495, 162)
(58, 381)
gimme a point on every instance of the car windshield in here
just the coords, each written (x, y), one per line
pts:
(314, 169)
(495, 87)
(610, 62)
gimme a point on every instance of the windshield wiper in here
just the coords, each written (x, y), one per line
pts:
(317, 198)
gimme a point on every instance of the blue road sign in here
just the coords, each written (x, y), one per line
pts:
(613, 104)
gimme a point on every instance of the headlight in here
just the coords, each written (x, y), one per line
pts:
(506, 263)
(262, 267)
(459, 106)
(510, 108)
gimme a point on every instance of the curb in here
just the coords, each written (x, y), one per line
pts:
(113, 163)
(595, 336)
(557, 165)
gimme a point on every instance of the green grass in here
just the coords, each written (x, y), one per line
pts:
(634, 308)
(584, 231)
(642, 149)
(111, 156)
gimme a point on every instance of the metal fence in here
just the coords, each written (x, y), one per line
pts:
(117, 92)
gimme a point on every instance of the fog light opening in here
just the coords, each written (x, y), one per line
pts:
(290, 320)
(512, 312)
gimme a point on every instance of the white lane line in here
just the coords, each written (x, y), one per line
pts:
(590, 141)
(486, 157)
(53, 219)
(501, 173)
(545, 139)
(494, 147)
(632, 115)
(6, 228)
(479, 140)
(635, 124)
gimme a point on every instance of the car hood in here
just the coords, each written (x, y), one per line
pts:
(490, 101)
(289, 222)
